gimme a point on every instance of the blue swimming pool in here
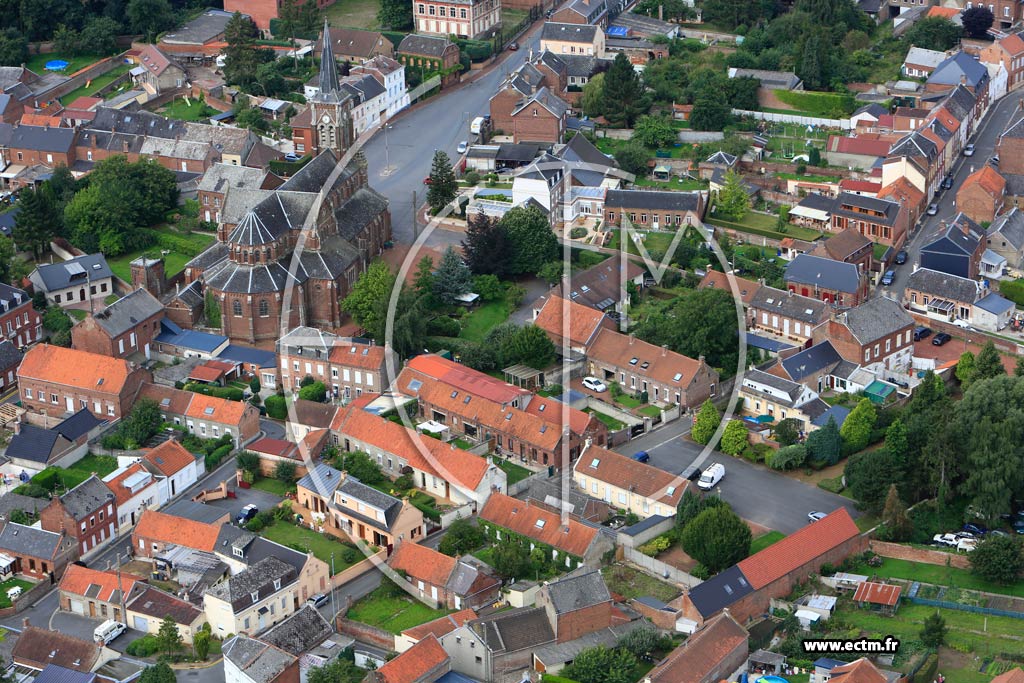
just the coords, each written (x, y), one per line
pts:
(56, 65)
(771, 679)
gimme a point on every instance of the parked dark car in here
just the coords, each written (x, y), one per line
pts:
(941, 338)
(922, 333)
(889, 276)
(901, 257)
(975, 529)
(947, 182)
(641, 456)
(691, 473)
(513, 46)
(246, 513)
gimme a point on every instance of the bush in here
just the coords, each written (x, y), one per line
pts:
(146, 646)
(471, 177)
(832, 485)
(656, 546)
(213, 459)
(285, 471)
(316, 392)
(577, 233)
(443, 326)
(230, 393)
(277, 407)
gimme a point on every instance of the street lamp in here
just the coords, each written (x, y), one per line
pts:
(387, 152)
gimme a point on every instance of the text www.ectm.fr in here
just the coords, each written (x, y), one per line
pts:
(825, 645)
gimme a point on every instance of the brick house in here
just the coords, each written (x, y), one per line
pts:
(86, 513)
(448, 581)
(541, 117)
(903, 192)
(431, 53)
(921, 62)
(982, 195)
(584, 324)
(653, 208)
(20, 322)
(155, 71)
(837, 283)
(209, 417)
(941, 295)
(93, 593)
(745, 289)
(136, 490)
(747, 588)
(576, 604)
(126, 327)
(263, 11)
(35, 553)
(348, 367)
(424, 662)
(573, 544)
(583, 12)
(1008, 51)
(877, 335)
(956, 248)
(787, 314)
(178, 468)
(38, 145)
(156, 531)
(147, 606)
(1010, 148)
(880, 220)
(763, 393)
(643, 368)
(1006, 237)
(221, 179)
(572, 39)
(56, 381)
(461, 18)
(710, 655)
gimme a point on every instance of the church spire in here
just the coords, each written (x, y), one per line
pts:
(328, 67)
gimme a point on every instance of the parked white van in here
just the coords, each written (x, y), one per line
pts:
(711, 476)
(108, 631)
(476, 125)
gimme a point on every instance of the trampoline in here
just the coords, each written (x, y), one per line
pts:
(56, 65)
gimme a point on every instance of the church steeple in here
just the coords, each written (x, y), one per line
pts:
(329, 83)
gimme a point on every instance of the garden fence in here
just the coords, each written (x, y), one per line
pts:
(966, 608)
(659, 568)
(845, 124)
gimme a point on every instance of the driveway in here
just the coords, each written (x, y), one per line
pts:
(261, 499)
(755, 492)
(272, 429)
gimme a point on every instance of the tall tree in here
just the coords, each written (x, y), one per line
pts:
(705, 423)
(487, 247)
(395, 14)
(157, 673)
(710, 112)
(965, 369)
(857, 427)
(592, 101)
(601, 664)
(717, 538)
(1018, 369)
(13, 47)
(453, 278)
(38, 221)
(733, 200)
(934, 632)
(532, 239)
(894, 515)
(367, 302)
(168, 636)
(150, 17)
(511, 560)
(654, 131)
(443, 187)
(977, 21)
(813, 67)
(988, 424)
(825, 445)
(242, 55)
(623, 92)
(530, 346)
(988, 363)
(999, 559)
(934, 33)
(735, 438)
(423, 280)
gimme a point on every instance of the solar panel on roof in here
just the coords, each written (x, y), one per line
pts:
(74, 268)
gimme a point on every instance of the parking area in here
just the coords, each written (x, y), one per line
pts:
(83, 627)
(261, 499)
(951, 351)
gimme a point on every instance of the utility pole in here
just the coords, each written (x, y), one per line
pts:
(415, 218)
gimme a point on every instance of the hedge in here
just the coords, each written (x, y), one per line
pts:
(823, 105)
(276, 406)
(213, 459)
(146, 646)
(288, 168)
(928, 669)
(794, 231)
(1013, 290)
(165, 240)
(275, 26)
(477, 50)
(230, 393)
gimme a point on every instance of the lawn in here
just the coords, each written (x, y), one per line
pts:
(91, 87)
(510, 18)
(632, 583)
(321, 545)
(609, 421)
(77, 314)
(37, 63)
(193, 110)
(477, 324)
(650, 411)
(174, 262)
(462, 443)
(11, 583)
(680, 184)
(809, 178)
(69, 478)
(392, 614)
(940, 575)
(354, 13)
(879, 250)
(485, 555)
(763, 224)
(765, 540)
(274, 486)
(628, 401)
(513, 472)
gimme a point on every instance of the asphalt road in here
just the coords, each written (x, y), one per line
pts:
(755, 492)
(984, 140)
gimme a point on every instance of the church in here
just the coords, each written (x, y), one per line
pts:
(327, 121)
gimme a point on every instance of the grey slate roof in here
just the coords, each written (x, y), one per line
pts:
(355, 490)
(260, 662)
(314, 175)
(16, 501)
(362, 207)
(821, 357)
(960, 65)
(837, 413)
(720, 591)
(10, 355)
(575, 591)
(1010, 227)
(580, 149)
(876, 318)
(127, 312)
(994, 304)
(953, 240)
(300, 632)
(55, 276)
(256, 578)
(255, 548)
(874, 109)
(914, 145)
(425, 46)
(197, 512)
(37, 138)
(522, 152)
(791, 389)
(87, 497)
(545, 98)
(26, 540)
(53, 673)
(139, 123)
(815, 270)
(514, 630)
(222, 177)
(575, 33)
(656, 200)
(200, 30)
(33, 443)
(889, 210)
(818, 202)
(802, 308)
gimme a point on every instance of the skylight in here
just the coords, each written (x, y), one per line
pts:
(595, 462)
(540, 523)
(209, 411)
(671, 491)
(415, 385)
(676, 377)
(633, 361)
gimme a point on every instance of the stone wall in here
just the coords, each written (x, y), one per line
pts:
(365, 633)
(906, 552)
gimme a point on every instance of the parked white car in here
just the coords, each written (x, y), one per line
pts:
(108, 631)
(966, 545)
(594, 384)
(949, 540)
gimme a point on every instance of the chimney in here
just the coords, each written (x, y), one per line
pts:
(965, 228)
(124, 146)
(917, 266)
(789, 293)
(664, 350)
(25, 623)
(632, 338)
(661, 13)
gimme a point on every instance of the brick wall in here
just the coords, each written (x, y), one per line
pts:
(581, 622)
(905, 552)
(978, 204)
(365, 633)
(544, 127)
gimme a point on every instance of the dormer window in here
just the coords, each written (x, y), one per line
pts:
(255, 596)
(237, 552)
(277, 584)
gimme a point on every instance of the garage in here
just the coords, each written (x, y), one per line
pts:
(77, 607)
(140, 623)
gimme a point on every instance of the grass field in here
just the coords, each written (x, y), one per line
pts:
(477, 324)
(11, 583)
(679, 184)
(632, 583)
(95, 84)
(609, 421)
(765, 540)
(511, 17)
(513, 472)
(310, 541)
(761, 224)
(353, 13)
(174, 262)
(37, 63)
(77, 314)
(939, 575)
(72, 476)
(274, 486)
(392, 614)
(194, 110)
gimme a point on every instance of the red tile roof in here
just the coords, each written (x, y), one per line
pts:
(988, 179)
(702, 653)
(219, 410)
(423, 564)
(169, 399)
(160, 527)
(550, 410)
(169, 457)
(70, 367)
(626, 473)
(205, 373)
(902, 189)
(584, 321)
(442, 460)
(665, 366)
(466, 379)
(40, 647)
(440, 627)
(540, 524)
(415, 663)
(863, 144)
(945, 12)
(122, 493)
(365, 356)
(278, 447)
(877, 593)
(101, 586)
(860, 671)
(1014, 675)
(799, 548)
(718, 280)
(1014, 45)
(859, 185)
(85, 103)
